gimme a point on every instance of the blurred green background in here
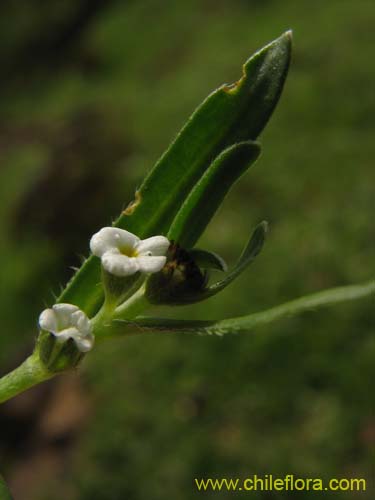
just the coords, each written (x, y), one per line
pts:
(91, 94)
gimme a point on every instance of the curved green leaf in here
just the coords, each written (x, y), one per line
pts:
(248, 255)
(231, 114)
(208, 260)
(209, 192)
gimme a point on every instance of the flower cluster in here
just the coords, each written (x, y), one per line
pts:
(122, 254)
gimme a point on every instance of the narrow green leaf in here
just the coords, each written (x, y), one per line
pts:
(209, 192)
(231, 114)
(247, 323)
(248, 255)
(85, 289)
(208, 260)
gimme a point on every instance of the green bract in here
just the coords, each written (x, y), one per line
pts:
(230, 115)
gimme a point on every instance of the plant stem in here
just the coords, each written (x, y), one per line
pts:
(103, 321)
(249, 322)
(30, 373)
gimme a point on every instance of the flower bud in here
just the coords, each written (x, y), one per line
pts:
(178, 282)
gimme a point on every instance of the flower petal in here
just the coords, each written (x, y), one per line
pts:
(150, 264)
(85, 344)
(81, 322)
(157, 245)
(119, 265)
(63, 313)
(68, 333)
(48, 320)
(111, 238)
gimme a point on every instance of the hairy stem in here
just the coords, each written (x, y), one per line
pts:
(30, 373)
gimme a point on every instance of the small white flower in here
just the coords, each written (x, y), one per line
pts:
(66, 321)
(122, 253)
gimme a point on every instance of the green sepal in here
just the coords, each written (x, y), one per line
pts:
(117, 289)
(231, 114)
(55, 355)
(208, 260)
(209, 192)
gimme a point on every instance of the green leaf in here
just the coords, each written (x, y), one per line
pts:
(243, 324)
(248, 255)
(85, 289)
(231, 114)
(208, 260)
(209, 192)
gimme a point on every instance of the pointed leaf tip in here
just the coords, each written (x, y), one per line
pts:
(248, 255)
(289, 33)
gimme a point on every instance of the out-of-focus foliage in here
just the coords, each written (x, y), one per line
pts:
(82, 119)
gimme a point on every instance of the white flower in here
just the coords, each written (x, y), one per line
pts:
(66, 321)
(122, 253)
